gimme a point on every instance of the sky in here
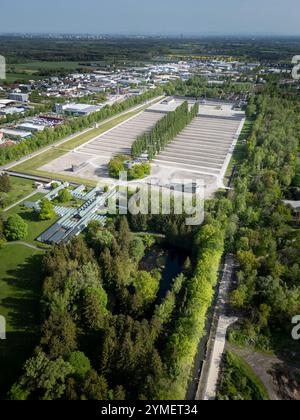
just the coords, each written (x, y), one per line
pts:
(151, 16)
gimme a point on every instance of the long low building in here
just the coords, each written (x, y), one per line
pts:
(16, 134)
(79, 110)
(11, 111)
(33, 128)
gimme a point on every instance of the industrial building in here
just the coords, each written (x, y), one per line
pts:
(17, 135)
(78, 110)
(11, 110)
(32, 128)
(19, 97)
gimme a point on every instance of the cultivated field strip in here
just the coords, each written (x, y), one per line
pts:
(203, 146)
(119, 140)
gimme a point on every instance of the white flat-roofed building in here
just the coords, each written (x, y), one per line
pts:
(6, 102)
(33, 128)
(15, 134)
(77, 109)
(11, 110)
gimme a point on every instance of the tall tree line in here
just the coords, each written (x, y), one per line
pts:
(164, 131)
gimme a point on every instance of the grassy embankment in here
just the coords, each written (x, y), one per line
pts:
(239, 382)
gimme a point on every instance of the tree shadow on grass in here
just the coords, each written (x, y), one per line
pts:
(23, 317)
(24, 305)
(29, 216)
(14, 351)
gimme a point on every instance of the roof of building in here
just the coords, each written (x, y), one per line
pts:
(6, 101)
(30, 126)
(16, 133)
(12, 110)
(294, 204)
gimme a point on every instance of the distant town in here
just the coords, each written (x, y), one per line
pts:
(67, 94)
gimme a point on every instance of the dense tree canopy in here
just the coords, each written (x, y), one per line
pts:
(15, 228)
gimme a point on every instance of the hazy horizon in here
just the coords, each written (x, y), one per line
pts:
(160, 18)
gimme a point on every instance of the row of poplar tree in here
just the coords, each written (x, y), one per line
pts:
(164, 131)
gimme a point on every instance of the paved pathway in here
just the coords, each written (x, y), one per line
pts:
(207, 389)
(21, 201)
(217, 355)
(24, 244)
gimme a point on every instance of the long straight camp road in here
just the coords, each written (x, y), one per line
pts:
(60, 142)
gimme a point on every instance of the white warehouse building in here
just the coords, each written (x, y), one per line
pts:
(79, 110)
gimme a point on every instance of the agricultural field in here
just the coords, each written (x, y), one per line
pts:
(38, 69)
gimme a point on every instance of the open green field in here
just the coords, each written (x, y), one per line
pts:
(30, 71)
(22, 76)
(20, 285)
(20, 189)
(35, 226)
(32, 166)
(37, 65)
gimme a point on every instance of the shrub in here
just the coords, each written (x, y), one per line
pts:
(15, 228)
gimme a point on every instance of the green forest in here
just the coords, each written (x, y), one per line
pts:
(106, 335)
(118, 50)
(267, 239)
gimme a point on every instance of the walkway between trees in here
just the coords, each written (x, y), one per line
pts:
(207, 389)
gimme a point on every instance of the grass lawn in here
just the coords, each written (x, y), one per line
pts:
(29, 71)
(238, 379)
(32, 166)
(240, 150)
(20, 285)
(35, 226)
(20, 189)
